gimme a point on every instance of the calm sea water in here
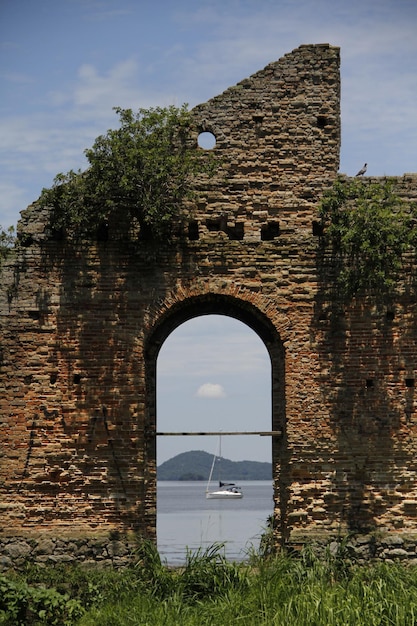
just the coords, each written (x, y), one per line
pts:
(186, 519)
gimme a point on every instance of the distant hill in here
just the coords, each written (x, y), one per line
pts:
(196, 465)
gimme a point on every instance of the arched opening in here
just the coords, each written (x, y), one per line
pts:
(195, 308)
(213, 374)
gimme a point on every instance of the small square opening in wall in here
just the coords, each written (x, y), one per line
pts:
(236, 232)
(76, 379)
(317, 229)
(193, 230)
(409, 382)
(321, 121)
(269, 231)
(102, 233)
(57, 234)
(217, 224)
(369, 383)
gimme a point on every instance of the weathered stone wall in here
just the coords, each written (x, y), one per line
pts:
(82, 324)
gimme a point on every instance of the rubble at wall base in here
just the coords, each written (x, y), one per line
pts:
(16, 552)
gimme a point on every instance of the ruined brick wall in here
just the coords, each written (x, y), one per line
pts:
(81, 327)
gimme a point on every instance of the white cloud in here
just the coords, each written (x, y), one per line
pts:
(98, 91)
(210, 390)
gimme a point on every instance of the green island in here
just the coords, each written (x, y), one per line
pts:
(196, 464)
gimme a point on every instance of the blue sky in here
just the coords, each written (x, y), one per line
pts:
(65, 63)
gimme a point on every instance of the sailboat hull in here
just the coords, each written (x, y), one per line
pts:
(224, 494)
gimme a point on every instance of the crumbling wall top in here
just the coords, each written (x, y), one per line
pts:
(287, 115)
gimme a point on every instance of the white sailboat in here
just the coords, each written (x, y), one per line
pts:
(226, 490)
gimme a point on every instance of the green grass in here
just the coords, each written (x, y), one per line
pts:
(276, 590)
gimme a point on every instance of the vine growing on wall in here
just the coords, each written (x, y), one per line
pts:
(368, 230)
(141, 171)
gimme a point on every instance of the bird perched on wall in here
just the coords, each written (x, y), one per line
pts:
(363, 170)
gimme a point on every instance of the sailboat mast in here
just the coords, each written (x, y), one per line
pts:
(220, 460)
(211, 471)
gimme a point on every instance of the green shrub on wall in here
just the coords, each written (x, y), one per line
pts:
(141, 171)
(367, 232)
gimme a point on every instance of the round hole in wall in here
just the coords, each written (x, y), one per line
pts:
(206, 140)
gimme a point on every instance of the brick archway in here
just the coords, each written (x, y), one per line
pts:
(250, 315)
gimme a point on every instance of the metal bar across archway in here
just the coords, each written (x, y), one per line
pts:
(262, 433)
